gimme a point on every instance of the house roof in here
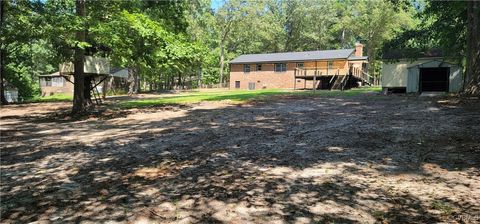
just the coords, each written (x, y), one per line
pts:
(114, 70)
(435, 63)
(293, 56)
(119, 72)
(51, 75)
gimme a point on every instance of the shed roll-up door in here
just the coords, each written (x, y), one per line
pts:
(434, 79)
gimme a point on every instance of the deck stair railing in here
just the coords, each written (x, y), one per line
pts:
(339, 82)
(95, 94)
(344, 82)
(359, 73)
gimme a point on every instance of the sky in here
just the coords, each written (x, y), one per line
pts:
(215, 4)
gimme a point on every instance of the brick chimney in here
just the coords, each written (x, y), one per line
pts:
(358, 49)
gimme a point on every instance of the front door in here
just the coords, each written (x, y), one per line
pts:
(251, 86)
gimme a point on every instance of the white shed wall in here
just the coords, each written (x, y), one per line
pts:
(395, 74)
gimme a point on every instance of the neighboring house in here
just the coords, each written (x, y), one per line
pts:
(10, 92)
(118, 80)
(55, 84)
(62, 84)
(431, 71)
(329, 69)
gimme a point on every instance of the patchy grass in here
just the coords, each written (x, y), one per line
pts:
(444, 207)
(236, 96)
(52, 98)
(350, 92)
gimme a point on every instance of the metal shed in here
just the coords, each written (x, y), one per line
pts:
(434, 75)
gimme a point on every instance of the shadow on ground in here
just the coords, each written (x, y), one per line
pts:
(296, 159)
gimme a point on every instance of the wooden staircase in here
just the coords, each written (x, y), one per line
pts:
(95, 94)
(338, 82)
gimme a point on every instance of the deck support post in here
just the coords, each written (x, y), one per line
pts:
(305, 79)
(314, 81)
(316, 73)
(294, 79)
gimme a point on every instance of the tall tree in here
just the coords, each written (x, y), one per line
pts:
(455, 26)
(3, 101)
(375, 22)
(19, 50)
(473, 48)
(227, 17)
(81, 92)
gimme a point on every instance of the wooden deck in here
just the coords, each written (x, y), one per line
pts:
(337, 78)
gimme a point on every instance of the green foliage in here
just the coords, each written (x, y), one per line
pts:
(171, 43)
(26, 54)
(376, 22)
(446, 22)
(438, 25)
(52, 98)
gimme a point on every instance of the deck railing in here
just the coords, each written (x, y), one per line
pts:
(311, 72)
(358, 72)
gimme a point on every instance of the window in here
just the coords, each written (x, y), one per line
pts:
(237, 84)
(52, 81)
(58, 81)
(330, 64)
(259, 67)
(300, 65)
(246, 68)
(251, 86)
(280, 67)
(46, 81)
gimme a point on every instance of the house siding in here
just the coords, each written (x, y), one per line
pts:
(67, 89)
(268, 78)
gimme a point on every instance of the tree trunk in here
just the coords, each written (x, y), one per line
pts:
(180, 81)
(472, 77)
(105, 87)
(3, 100)
(131, 81)
(81, 103)
(199, 81)
(222, 59)
(137, 80)
(134, 80)
(2, 72)
(87, 91)
(371, 63)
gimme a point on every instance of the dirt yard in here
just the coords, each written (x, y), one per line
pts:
(361, 159)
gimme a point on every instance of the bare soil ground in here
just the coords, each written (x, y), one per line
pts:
(363, 159)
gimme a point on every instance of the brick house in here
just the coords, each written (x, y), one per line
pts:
(329, 69)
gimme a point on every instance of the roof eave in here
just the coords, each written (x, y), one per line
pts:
(324, 59)
(419, 58)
